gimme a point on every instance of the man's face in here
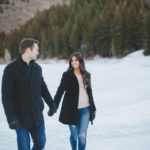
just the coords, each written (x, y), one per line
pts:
(34, 52)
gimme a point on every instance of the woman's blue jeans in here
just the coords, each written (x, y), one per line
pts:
(37, 134)
(79, 131)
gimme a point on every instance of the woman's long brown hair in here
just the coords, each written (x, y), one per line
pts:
(84, 73)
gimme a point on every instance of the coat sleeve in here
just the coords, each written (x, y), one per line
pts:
(91, 96)
(60, 90)
(8, 85)
(46, 94)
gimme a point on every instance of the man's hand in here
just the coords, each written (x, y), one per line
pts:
(15, 124)
(52, 110)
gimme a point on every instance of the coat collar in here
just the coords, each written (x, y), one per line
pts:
(72, 75)
(19, 59)
(23, 67)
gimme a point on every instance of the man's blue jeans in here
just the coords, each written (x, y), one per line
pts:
(79, 131)
(37, 134)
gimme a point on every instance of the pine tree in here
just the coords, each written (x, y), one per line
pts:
(87, 16)
(134, 28)
(105, 32)
(67, 50)
(119, 32)
(147, 33)
(2, 44)
(43, 46)
(76, 35)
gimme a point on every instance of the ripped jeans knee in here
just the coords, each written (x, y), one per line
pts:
(82, 140)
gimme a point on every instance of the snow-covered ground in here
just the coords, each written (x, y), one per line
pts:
(121, 89)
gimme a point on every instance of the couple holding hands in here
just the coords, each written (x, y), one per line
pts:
(23, 92)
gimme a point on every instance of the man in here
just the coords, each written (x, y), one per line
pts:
(22, 89)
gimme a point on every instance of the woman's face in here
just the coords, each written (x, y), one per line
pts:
(75, 63)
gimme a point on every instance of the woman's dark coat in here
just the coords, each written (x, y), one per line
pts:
(22, 93)
(69, 85)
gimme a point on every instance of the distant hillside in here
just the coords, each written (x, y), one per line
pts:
(16, 12)
(95, 27)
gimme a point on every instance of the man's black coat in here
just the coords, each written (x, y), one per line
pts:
(69, 85)
(22, 93)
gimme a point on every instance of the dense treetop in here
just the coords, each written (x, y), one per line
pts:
(104, 27)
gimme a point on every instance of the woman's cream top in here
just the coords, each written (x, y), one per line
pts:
(83, 96)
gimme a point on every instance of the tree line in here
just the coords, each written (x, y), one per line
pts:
(94, 27)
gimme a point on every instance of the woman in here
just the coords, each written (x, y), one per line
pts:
(78, 106)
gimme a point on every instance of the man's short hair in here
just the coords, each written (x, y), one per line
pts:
(27, 43)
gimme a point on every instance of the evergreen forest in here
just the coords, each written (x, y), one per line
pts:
(95, 27)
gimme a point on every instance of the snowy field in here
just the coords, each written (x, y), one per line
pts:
(121, 89)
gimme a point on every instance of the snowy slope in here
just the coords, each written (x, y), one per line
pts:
(121, 93)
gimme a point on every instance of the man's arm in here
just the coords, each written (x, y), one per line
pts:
(8, 83)
(46, 94)
(48, 99)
